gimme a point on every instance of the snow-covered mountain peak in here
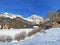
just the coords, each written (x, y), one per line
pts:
(6, 14)
(35, 17)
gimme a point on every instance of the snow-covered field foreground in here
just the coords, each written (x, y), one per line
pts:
(12, 32)
(51, 37)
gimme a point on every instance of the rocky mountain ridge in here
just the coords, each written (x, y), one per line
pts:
(8, 20)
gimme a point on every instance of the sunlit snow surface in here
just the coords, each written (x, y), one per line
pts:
(51, 37)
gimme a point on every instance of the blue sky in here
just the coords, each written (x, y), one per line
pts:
(29, 7)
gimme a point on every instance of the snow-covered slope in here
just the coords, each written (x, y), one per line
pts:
(35, 19)
(51, 37)
(10, 15)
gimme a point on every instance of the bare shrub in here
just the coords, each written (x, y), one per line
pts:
(5, 38)
(2, 38)
(33, 32)
(20, 36)
(9, 38)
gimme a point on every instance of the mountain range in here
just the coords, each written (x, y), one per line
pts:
(8, 20)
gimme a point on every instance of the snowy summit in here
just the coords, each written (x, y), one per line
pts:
(6, 14)
(36, 19)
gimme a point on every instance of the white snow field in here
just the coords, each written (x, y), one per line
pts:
(12, 32)
(51, 37)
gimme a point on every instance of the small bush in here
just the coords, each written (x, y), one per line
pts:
(9, 38)
(20, 36)
(2, 38)
(5, 38)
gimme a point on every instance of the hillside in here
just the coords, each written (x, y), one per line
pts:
(8, 21)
